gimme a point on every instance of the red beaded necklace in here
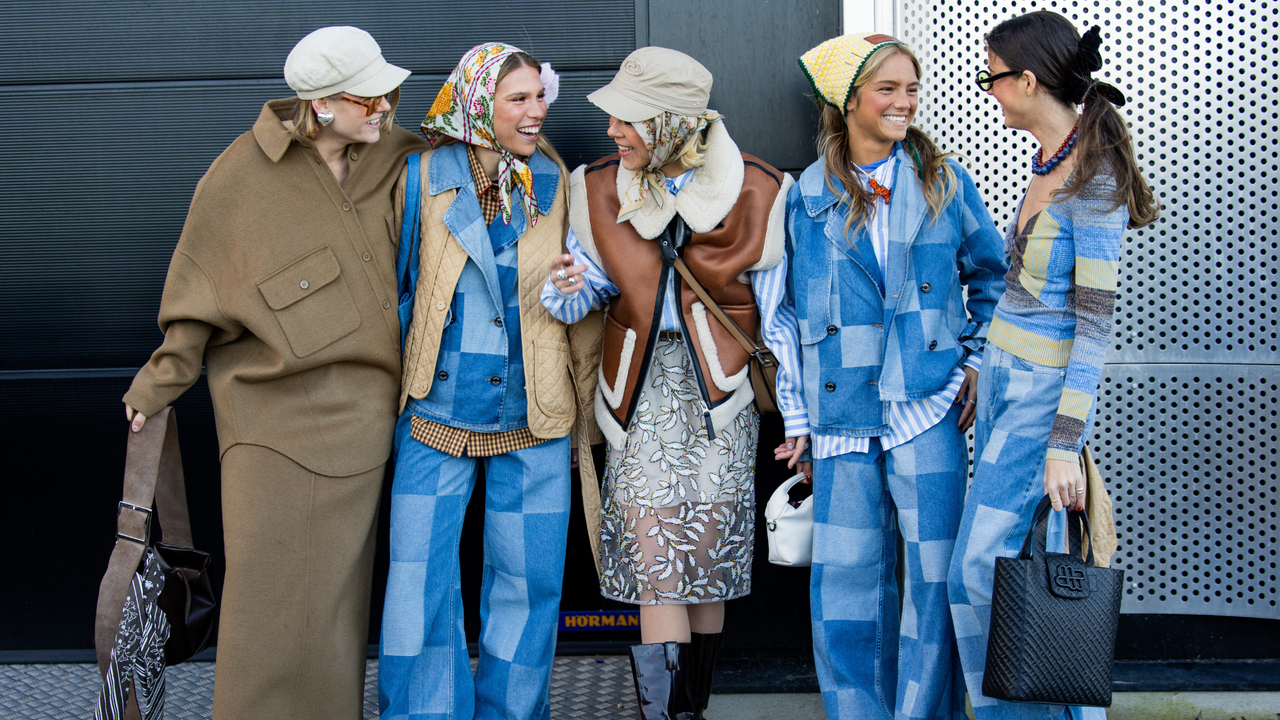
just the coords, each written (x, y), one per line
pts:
(1040, 167)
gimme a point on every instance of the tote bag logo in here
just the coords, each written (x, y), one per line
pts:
(1069, 578)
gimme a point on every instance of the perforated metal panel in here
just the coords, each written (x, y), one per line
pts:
(1186, 425)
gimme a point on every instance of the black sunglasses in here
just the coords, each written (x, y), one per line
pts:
(985, 79)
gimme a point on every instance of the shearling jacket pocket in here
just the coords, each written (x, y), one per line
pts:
(552, 385)
(311, 302)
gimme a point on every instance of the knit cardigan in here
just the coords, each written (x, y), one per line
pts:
(1060, 294)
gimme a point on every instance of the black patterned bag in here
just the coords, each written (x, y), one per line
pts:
(1053, 622)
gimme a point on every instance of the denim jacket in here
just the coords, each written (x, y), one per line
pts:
(868, 340)
(478, 381)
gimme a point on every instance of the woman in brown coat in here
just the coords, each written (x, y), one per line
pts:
(283, 286)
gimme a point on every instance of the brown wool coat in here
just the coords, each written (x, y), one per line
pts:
(283, 283)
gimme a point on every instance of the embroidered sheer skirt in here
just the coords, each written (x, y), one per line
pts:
(678, 509)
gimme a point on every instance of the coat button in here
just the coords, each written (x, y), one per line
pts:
(933, 344)
(495, 380)
(354, 156)
(497, 321)
(304, 284)
(346, 207)
(831, 387)
(385, 304)
(443, 375)
(926, 288)
(366, 257)
(439, 306)
(832, 329)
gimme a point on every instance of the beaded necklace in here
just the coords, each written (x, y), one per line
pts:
(1039, 168)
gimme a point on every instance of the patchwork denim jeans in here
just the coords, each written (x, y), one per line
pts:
(871, 661)
(1017, 401)
(424, 672)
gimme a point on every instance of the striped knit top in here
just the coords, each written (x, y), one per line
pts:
(1060, 293)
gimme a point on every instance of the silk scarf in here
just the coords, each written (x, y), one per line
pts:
(463, 110)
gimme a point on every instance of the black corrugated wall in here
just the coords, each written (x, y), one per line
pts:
(111, 112)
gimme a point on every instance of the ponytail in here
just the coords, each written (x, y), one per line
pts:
(1063, 62)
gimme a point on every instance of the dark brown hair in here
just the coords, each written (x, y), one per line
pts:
(938, 179)
(307, 127)
(1048, 45)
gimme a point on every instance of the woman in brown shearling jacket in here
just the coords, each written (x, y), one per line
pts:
(283, 285)
(673, 399)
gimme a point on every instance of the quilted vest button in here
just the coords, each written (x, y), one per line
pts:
(831, 387)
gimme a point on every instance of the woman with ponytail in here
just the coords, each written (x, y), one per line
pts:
(884, 233)
(1049, 337)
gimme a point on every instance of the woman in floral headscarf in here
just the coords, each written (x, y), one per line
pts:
(678, 512)
(486, 381)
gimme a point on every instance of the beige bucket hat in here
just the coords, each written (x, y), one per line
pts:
(653, 80)
(339, 59)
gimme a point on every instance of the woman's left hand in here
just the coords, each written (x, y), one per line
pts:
(791, 450)
(1064, 484)
(969, 396)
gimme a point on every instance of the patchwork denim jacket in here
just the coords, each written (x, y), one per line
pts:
(479, 381)
(867, 340)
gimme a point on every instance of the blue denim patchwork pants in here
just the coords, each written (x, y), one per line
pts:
(424, 672)
(1017, 401)
(871, 662)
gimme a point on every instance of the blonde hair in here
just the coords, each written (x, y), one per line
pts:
(306, 126)
(936, 177)
(693, 154)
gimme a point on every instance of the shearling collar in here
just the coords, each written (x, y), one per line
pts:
(269, 130)
(705, 200)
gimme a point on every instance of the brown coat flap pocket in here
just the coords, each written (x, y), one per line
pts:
(299, 279)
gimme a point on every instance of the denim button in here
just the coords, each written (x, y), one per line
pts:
(832, 329)
(495, 380)
(443, 375)
(933, 344)
(831, 387)
(497, 321)
(926, 288)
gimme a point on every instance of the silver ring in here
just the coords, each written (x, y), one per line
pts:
(1079, 490)
(572, 280)
(560, 275)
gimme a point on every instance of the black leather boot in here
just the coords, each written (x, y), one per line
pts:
(659, 676)
(703, 651)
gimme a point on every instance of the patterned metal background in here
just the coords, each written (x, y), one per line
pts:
(1186, 428)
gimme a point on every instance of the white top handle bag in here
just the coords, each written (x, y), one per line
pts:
(790, 527)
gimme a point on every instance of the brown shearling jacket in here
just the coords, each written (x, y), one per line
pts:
(283, 282)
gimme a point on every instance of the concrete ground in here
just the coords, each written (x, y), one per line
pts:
(587, 687)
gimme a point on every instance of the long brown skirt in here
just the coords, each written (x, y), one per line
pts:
(294, 627)
(678, 508)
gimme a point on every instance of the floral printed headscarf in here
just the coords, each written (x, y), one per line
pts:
(464, 110)
(664, 136)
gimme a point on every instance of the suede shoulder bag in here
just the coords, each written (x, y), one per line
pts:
(156, 604)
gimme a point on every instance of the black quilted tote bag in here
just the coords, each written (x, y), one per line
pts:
(1053, 622)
